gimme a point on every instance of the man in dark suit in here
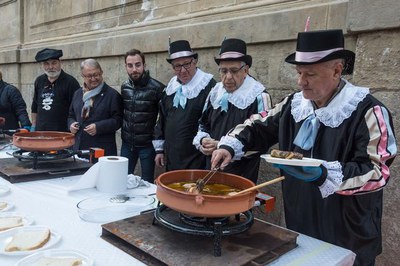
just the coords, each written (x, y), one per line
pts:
(95, 113)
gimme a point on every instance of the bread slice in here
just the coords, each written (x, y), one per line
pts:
(10, 222)
(50, 261)
(3, 205)
(28, 240)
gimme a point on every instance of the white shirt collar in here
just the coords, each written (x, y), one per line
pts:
(242, 98)
(192, 89)
(339, 109)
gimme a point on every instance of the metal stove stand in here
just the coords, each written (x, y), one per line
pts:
(202, 226)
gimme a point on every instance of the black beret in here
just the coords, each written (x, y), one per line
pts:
(46, 54)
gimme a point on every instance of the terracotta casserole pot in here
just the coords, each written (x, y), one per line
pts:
(200, 205)
(43, 141)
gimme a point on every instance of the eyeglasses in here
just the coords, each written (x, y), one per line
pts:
(179, 67)
(95, 75)
(233, 71)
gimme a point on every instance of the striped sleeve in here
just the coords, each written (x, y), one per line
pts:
(381, 149)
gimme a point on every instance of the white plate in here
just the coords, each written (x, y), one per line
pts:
(4, 190)
(25, 220)
(295, 162)
(5, 238)
(8, 206)
(55, 253)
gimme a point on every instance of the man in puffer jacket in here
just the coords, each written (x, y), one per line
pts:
(12, 107)
(141, 94)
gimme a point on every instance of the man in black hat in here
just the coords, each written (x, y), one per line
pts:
(337, 195)
(53, 93)
(230, 103)
(180, 109)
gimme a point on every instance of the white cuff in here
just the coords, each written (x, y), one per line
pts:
(333, 180)
(199, 136)
(235, 144)
(158, 144)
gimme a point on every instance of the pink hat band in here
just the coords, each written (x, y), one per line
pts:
(231, 55)
(181, 54)
(310, 57)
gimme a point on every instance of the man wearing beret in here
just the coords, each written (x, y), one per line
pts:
(231, 102)
(53, 93)
(337, 196)
(180, 109)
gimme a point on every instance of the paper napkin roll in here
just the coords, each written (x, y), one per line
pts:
(113, 174)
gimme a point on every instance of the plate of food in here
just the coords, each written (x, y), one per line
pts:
(22, 241)
(290, 158)
(10, 220)
(4, 190)
(56, 257)
(5, 206)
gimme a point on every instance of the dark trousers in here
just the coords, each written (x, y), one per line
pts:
(146, 156)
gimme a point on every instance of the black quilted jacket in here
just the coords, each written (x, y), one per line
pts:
(140, 110)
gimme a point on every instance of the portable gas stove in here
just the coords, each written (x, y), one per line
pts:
(167, 237)
(34, 165)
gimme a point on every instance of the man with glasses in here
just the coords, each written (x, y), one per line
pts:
(53, 93)
(141, 95)
(180, 109)
(96, 111)
(230, 103)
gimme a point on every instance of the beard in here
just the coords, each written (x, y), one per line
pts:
(52, 74)
(136, 76)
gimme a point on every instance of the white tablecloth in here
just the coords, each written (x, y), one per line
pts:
(48, 203)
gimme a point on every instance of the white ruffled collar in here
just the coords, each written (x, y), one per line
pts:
(339, 109)
(193, 88)
(243, 97)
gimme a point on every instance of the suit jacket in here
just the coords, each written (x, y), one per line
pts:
(106, 113)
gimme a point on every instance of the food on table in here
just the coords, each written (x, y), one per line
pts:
(3, 205)
(28, 240)
(10, 222)
(286, 154)
(209, 189)
(50, 261)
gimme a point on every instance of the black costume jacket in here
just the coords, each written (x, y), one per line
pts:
(251, 98)
(357, 143)
(176, 128)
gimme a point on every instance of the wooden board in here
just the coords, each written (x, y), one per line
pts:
(158, 245)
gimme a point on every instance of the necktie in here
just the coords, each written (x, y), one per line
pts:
(308, 131)
(224, 102)
(179, 98)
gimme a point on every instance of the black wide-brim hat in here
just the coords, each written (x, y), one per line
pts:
(320, 46)
(180, 49)
(234, 50)
(47, 53)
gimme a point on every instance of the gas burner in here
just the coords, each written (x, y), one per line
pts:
(211, 227)
(37, 156)
(202, 222)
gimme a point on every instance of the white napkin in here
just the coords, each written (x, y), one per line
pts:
(135, 181)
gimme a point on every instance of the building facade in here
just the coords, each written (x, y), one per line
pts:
(106, 29)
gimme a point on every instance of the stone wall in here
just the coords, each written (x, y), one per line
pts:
(105, 29)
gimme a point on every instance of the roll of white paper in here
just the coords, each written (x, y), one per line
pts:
(113, 174)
